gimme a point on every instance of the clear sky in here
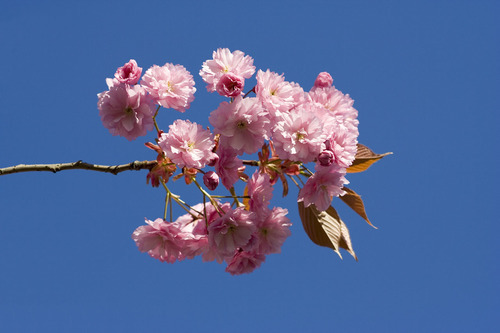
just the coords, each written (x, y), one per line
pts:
(425, 79)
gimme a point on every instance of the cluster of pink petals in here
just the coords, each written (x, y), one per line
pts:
(233, 235)
(299, 136)
(129, 73)
(223, 62)
(228, 166)
(243, 124)
(245, 262)
(342, 125)
(272, 231)
(160, 239)
(325, 184)
(260, 191)
(187, 144)
(126, 110)
(276, 94)
(171, 86)
(231, 231)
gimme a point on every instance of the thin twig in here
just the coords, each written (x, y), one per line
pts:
(114, 169)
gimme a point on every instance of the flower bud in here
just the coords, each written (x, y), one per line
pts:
(326, 157)
(230, 85)
(211, 180)
(323, 80)
(129, 73)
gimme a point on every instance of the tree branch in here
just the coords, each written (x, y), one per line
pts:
(114, 169)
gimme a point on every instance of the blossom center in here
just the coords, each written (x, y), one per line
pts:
(129, 110)
(241, 124)
(300, 136)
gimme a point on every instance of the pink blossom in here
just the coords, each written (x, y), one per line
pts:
(245, 262)
(260, 191)
(334, 101)
(231, 231)
(187, 144)
(322, 186)
(300, 135)
(193, 234)
(226, 62)
(341, 119)
(211, 180)
(324, 79)
(126, 110)
(171, 86)
(230, 85)
(243, 124)
(273, 231)
(159, 239)
(276, 94)
(129, 73)
(343, 143)
(228, 166)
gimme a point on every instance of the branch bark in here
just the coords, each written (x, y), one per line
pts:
(114, 169)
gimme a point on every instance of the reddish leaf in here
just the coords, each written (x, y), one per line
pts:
(365, 157)
(246, 201)
(353, 200)
(326, 228)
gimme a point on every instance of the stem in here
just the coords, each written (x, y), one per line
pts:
(177, 199)
(235, 197)
(295, 182)
(253, 89)
(212, 200)
(167, 200)
(251, 163)
(154, 120)
(78, 165)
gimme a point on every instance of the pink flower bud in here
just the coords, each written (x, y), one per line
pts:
(129, 73)
(323, 80)
(211, 180)
(230, 85)
(326, 157)
(213, 161)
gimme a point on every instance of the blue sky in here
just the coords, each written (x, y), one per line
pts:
(425, 79)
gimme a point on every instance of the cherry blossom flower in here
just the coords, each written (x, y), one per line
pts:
(228, 166)
(231, 231)
(324, 79)
(126, 110)
(129, 73)
(322, 186)
(341, 119)
(334, 101)
(226, 62)
(260, 191)
(299, 136)
(187, 144)
(273, 231)
(244, 262)
(230, 85)
(171, 86)
(276, 94)
(242, 124)
(159, 239)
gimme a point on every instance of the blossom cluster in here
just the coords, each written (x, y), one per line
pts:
(286, 125)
